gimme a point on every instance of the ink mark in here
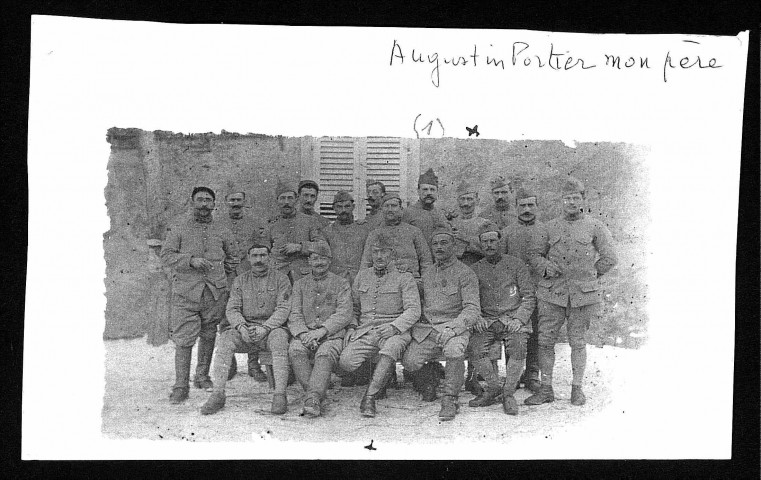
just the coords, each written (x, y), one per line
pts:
(428, 126)
(473, 130)
(691, 41)
(370, 447)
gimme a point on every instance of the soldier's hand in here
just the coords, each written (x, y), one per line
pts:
(201, 263)
(386, 330)
(245, 334)
(313, 336)
(446, 335)
(290, 248)
(481, 325)
(552, 270)
(348, 335)
(259, 333)
(513, 325)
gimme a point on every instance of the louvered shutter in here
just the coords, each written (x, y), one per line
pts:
(383, 162)
(336, 169)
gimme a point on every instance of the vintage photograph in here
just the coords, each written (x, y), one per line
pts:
(374, 289)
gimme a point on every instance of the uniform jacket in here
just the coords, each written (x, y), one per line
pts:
(211, 241)
(425, 220)
(301, 229)
(247, 231)
(322, 220)
(468, 248)
(583, 249)
(392, 298)
(320, 303)
(374, 220)
(450, 299)
(519, 239)
(347, 243)
(411, 250)
(259, 299)
(506, 290)
(502, 218)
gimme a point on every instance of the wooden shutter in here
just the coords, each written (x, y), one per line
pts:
(335, 158)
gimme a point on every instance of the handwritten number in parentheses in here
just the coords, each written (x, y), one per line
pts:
(428, 128)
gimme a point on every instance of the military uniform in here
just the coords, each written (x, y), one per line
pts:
(411, 249)
(318, 303)
(506, 291)
(468, 247)
(301, 229)
(198, 296)
(322, 220)
(347, 243)
(425, 220)
(502, 218)
(374, 220)
(247, 231)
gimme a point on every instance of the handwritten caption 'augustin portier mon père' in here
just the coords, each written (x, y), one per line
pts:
(685, 55)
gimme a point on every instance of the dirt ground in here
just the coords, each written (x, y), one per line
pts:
(139, 378)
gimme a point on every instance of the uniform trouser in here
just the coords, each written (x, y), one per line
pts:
(481, 344)
(190, 321)
(231, 342)
(418, 353)
(369, 345)
(315, 380)
(551, 318)
(532, 348)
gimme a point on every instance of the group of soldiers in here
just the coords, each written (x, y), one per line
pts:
(412, 284)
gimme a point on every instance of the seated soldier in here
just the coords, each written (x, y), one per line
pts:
(257, 311)
(507, 300)
(450, 308)
(386, 305)
(320, 311)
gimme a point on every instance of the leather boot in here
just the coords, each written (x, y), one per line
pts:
(205, 351)
(302, 369)
(254, 369)
(312, 408)
(380, 378)
(454, 376)
(214, 404)
(279, 404)
(509, 404)
(545, 395)
(488, 397)
(471, 383)
(577, 396)
(449, 407)
(533, 385)
(233, 369)
(182, 357)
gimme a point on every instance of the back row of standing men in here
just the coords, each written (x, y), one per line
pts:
(405, 284)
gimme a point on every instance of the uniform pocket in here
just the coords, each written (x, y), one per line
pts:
(451, 290)
(588, 287)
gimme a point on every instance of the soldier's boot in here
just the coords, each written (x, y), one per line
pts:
(319, 381)
(449, 407)
(205, 351)
(471, 383)
(377, 384)
(428, 380)
(545, 395)
(280, 370)
(233, 369)
(509, 404)
(312, 408)
(254, 369)
(577, 396)
(180, 390)
(214, 404)
(489, 396)
(533, 385)
(302, 369)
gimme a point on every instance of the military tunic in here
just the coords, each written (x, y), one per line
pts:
(389, 298)
(301, 229)
(411, 250)
(468, 248)
(374, 220)
(321, 219)
(425, 220)
(347, 243)
(502, 218)
(247, 231)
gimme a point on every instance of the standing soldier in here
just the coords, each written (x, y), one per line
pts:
(257, 311)
(247, 231)
(320, 311)
(423, 214)
(375, 191)
(346, 237)
(466, 225)
(501, 212)
(451, 307)
(507, 300)
(292, 233)
(308, 191)
(519, 237)
(411, 251)
(201, 253)
(579, 250)
(386, 305)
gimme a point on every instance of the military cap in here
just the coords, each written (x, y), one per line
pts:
(342, 196)
(524, 192)
(488, 227)
(390, 196)
(572, 185)
(497, 182)
(383, 241)
(203, 189)
(283, 187)
(465, 187)
(320, 247)
(442, 230)
(308, 183)
(428, 178)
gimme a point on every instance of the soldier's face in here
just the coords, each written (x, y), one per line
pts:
(490, 243)
(203, 203)
(287, 202)
(235, 201)
(344, 210)
(501, 195)
(392, 210)
(428, 193)
(319, 263)
(258, 258)
(467, 202)
(374, 194)
(381, 257)
(308, 196)
(573, 203)
(442, 247)
(527, 208)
